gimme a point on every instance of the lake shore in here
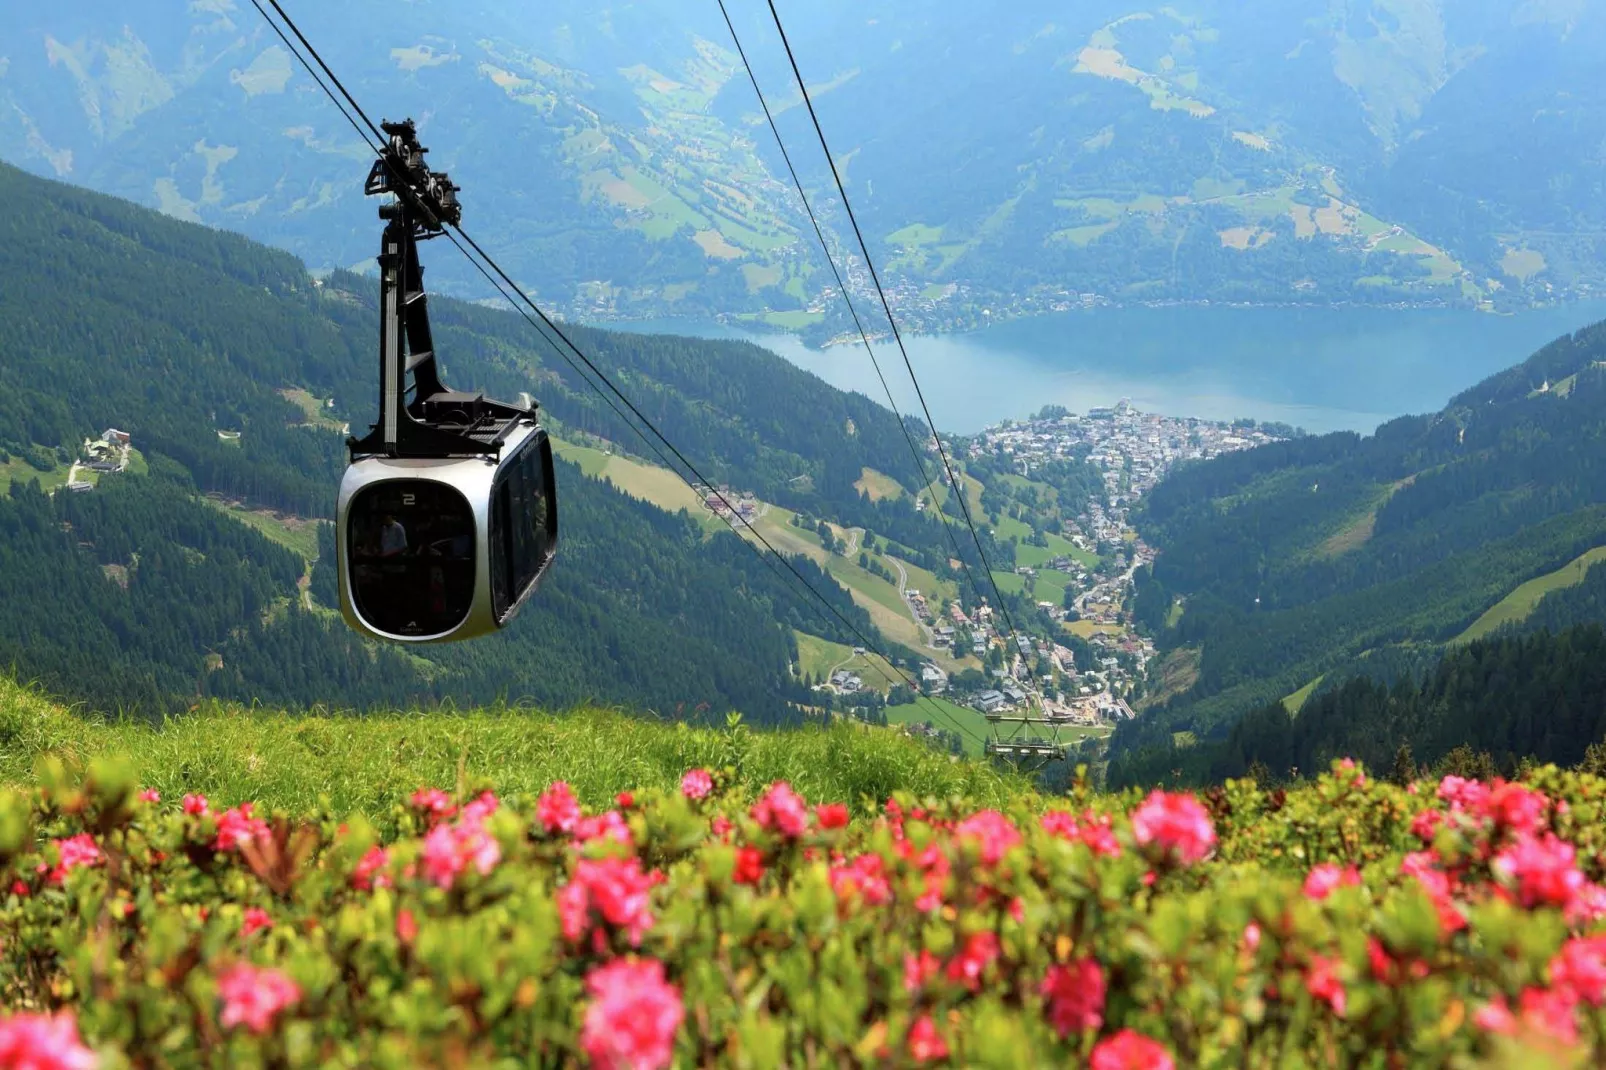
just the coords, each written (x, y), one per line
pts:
(1324, 369)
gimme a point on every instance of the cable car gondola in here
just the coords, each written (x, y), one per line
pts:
(447, 517)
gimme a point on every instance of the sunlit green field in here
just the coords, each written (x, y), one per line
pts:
(370, 763)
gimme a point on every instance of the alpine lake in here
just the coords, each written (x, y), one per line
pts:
(1322, 369)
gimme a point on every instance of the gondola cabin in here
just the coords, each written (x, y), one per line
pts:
(447, 517)
(439, 549)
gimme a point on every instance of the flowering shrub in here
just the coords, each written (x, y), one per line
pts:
(1343, 922)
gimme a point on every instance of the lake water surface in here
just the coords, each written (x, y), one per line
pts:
(1323, 369)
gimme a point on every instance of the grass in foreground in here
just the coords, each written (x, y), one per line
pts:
(1342, 922)
(370, 763)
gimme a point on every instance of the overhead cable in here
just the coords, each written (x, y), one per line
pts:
(490, 265)
(847, 299)
(957, 487)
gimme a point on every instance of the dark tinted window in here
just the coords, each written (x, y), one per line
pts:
(523, 523)
(411, 553)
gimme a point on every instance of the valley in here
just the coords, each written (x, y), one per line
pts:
(1054, 492)
(1069, 511)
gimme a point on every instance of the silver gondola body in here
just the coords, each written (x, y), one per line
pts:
(445, 549)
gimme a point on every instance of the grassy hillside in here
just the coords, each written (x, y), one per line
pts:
(1517, 606)
(371, 763)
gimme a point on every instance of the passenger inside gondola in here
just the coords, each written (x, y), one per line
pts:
(412, 557)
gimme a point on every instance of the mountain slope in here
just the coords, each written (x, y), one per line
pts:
(1015, 157)
(139, 595)
(1295, 560)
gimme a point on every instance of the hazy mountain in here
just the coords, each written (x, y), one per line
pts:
(1311, 150)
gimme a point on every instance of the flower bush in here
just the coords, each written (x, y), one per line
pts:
(1345, 922)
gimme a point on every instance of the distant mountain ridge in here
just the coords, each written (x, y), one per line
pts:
(1010, 157)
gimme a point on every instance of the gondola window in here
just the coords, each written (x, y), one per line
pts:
(412, 555)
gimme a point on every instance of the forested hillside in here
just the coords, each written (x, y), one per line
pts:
(1325, 558)
(233, 370)
(1536, 696)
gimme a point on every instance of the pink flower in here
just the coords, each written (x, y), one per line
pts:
(1060, 823)
(449, 850)
(608, 825)
(1177, 823)
(1542, 869)
(925, 1043)
(196, 805)
(967, 967)
(433, 802)
(1099, 834)
(720, 826)
(919, 970)
(1130, 1051)
(574, 908)
(74, 851)
(255, 919)
(1516, 808)
(933, 863)
(1435, 883)
(1075, 995)
(1380, 960)
(1321, 981)
(1425, 825)
(831, 815)
(1546, 1012)
(558, 809)
(782, 810)
(1588, 906)
(237, 827)
(1095, 830)
(1580, 967)
(994, 832)
(1321, 880)
(1252, 937)
(254, 996)
(615, 888)
(150, 795)
(1463, 794)
(633, 1016)
(369, 873)
(865, 877)
(1496, 1017)
(479, 848)
(476, 810)
(43, 1042)
(1551, 1012)
(696, 784)
(442, 863)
